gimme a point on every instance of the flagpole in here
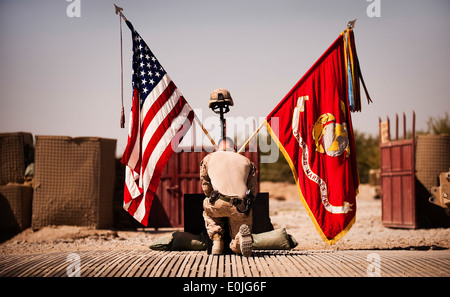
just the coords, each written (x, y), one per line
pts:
(251, 137)
(205, 131)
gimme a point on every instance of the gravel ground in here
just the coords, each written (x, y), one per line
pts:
(286, 210)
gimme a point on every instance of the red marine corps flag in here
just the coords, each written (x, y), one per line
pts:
(313, 129)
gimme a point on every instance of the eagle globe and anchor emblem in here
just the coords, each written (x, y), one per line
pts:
(330, 138)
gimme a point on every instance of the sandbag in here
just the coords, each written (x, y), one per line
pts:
(180, 241)
(163, 243)
(274, 240)
(185, 241)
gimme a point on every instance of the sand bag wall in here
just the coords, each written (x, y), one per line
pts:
(432, 158)
(16, 153)
(74, 181)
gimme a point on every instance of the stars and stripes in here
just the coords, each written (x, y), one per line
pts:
(158, 121)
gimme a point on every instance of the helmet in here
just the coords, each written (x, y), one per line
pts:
(220, 95)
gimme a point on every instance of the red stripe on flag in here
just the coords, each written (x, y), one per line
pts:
(160, 131)
(156, 106)
(166, 156)
(134, 202)
(159, 167)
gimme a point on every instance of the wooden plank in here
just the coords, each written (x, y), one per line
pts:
(239, 268)
(289, 268)
(299, 269)
(8, 260)
(430, 263)
(33, 266)
(138, 266)
(194, 269)
(208, 269)
(19, 267)
(86, 257)
(305, 262)
(95, 261)
(160, 265)
(201, 269)
(228, 266)
(189, 266)
(213, 271)
(246, 266)
(124, 264)
(221, 264)
(279, 266)
(100, 264)
(172, 267)
(273, 270)
(15, 267)
(184, 265)
(59, 268)
(325, 265)
(263, 266)
(111, 267)
(47, 264)
(177, 267)
(146, 267)
(127, 269)
(253, 266)
(336, 263)
(233, 265)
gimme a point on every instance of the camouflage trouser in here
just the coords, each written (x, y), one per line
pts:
(216, 215)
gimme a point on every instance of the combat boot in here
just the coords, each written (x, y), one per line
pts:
(244, 237)
(218, 245)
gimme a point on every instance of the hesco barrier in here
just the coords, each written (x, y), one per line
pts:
(74, 181)
(15, 154)
(15, 209)
(432, 158)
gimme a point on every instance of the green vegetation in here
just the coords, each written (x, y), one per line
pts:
(278, 171)
(439, 125)
(367, 154)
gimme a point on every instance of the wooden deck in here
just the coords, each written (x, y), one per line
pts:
(140, 263)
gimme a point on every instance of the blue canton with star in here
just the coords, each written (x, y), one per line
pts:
(146, 70)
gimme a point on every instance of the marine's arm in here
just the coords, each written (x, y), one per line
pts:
(204, 178)
(252, 181)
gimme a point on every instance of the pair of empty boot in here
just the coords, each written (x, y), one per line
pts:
(243, 242)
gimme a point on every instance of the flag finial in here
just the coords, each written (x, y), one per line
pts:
(350, 24)
(118, 9)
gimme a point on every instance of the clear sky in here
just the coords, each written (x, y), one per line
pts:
(61, 75)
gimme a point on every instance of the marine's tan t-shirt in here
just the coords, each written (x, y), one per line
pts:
(229, 173)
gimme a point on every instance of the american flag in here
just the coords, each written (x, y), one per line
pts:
(159, 118)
